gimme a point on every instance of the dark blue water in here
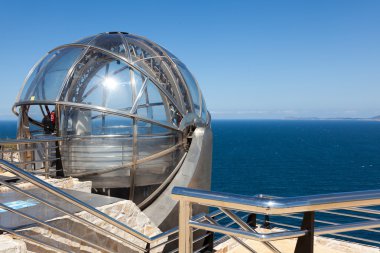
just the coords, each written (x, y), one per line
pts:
(289, 158)
(293, 158)
(8, 129)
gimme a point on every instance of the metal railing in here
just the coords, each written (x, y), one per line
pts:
(236, 217)
(153, 243)
(231, 205)
(38, 156)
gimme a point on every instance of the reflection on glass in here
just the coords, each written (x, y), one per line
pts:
(47, 78)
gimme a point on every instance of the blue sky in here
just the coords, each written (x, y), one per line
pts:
(253, 59)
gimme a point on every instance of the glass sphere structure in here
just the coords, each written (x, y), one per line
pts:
(123, 106)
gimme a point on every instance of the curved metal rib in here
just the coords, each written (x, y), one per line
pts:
(117, 56)
(100, 109)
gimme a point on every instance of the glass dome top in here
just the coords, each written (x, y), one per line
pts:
(120, 72)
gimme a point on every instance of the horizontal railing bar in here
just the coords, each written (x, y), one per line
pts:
(36, 161)
(278, 205)
(357, 238)
(281, 224)
(220, 240)
(164, 243)
(173, 251)
(336, 234)
(25, 150)
(347, 227)
(247, 234)
(340, 235)
(102, 109)
(118, 136)
(139, 161)
(31, 239)
(201, 248)
(74, 217)
(31, 141)
(238, 240)
(200, 238)
(349, 215)
(327, 222)
(43, 172)
(363, 210)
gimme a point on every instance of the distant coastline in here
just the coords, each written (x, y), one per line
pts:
(375, 118)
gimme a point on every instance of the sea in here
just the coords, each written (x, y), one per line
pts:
(295, 157)
(290, 157)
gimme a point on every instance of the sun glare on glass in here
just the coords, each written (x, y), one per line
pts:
(110, 83)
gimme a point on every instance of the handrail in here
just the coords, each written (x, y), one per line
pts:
(71, 215)
(72, 200)
(82, 206)
(266, 205)
(224, 201)
(62, 195)
(30, 141)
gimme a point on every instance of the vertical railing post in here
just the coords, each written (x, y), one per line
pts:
(46, 162)
(266, 223)
(251, 220)
(185, 231)
(305, 244)
(147, 248)
(58, 161)
(209, 242)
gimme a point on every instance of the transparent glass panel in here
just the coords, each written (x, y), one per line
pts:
(139, 80)
(204, 110)
(110, 42)
(47, 78)
(98, 142)
(103, 144)
(151, 140)
(152, 59)
(40, 122)
(85, 40)
(192, 84)
(150, 175)
(86, 122)
(153, 104)
(100, 79)
(99, 154)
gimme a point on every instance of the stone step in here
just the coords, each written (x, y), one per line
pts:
(124, 211)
